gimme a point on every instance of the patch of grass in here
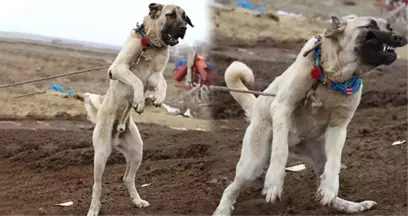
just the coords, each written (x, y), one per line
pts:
(245, 28)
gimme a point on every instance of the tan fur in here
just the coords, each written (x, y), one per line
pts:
(281, 125)
(130, 85)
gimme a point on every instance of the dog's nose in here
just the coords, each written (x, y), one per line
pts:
(399, 40)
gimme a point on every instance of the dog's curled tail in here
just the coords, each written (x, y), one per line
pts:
(234, 76)
(92, 103)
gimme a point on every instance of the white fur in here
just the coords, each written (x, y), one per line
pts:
(111, 113)
(313, 134)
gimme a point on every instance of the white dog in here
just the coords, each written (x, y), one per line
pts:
(283, 124)
(138, 66)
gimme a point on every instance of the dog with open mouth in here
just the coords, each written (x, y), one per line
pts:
(135, 75)
(283, 125)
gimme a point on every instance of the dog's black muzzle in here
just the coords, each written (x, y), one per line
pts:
(392, 39)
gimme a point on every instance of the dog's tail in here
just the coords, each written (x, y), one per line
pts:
(234, 75)
(92, 103)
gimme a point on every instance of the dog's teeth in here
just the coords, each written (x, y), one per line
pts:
(388, 48)
(384, 47)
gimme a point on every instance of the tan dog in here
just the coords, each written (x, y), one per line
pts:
(129, 85)
(281, 125)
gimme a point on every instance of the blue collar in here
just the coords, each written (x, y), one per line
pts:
(140, 30)
(348, 87)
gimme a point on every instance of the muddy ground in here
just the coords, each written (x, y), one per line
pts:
(42, 165)
(49, 162)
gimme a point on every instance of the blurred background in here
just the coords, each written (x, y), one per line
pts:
(45, 37)
(190, 147)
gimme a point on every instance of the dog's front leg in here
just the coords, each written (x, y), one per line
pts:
(274, 178)
(157, 81)
(335, 138)
(122, 73)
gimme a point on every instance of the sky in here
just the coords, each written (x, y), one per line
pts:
(101, 21)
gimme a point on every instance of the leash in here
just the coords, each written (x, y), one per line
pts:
(226, 89)
(53, 77)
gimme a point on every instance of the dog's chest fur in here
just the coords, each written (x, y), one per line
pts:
(151, 61)
(311, 122)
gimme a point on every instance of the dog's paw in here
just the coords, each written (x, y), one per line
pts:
(353, 207)
(94, 210)
(328, 188)
(138, 103)
(273, 187)
(141, 203)
(366, 205)
(223, 211)
(360, 207)
(156, 99)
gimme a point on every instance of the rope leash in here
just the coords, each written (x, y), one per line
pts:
(203, 93)
(53, 77)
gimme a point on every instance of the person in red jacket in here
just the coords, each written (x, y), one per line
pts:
(196, 70)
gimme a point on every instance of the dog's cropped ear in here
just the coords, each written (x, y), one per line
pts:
(188, 21)
(154, 10)
(335, 28)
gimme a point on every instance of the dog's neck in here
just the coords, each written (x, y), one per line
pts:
(151, 32)
(335, 67)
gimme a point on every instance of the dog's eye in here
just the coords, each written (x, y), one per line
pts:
(172, 14)
(373, 25)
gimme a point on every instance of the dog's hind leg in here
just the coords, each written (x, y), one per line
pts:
(127, 157)
(131, 147)
(254, 155)
(313, 153)
(102, 142)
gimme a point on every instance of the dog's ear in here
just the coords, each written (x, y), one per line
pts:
(335, 28)
(154, 10)
(189, 21)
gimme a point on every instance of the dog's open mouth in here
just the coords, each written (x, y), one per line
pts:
(378, 47)
(170, 39)
(387, 48)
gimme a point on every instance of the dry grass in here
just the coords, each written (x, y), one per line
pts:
(245, 28)
(242, 27)
(26, 60)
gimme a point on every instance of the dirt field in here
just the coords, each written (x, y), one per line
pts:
(46, 162)
(42, 165)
